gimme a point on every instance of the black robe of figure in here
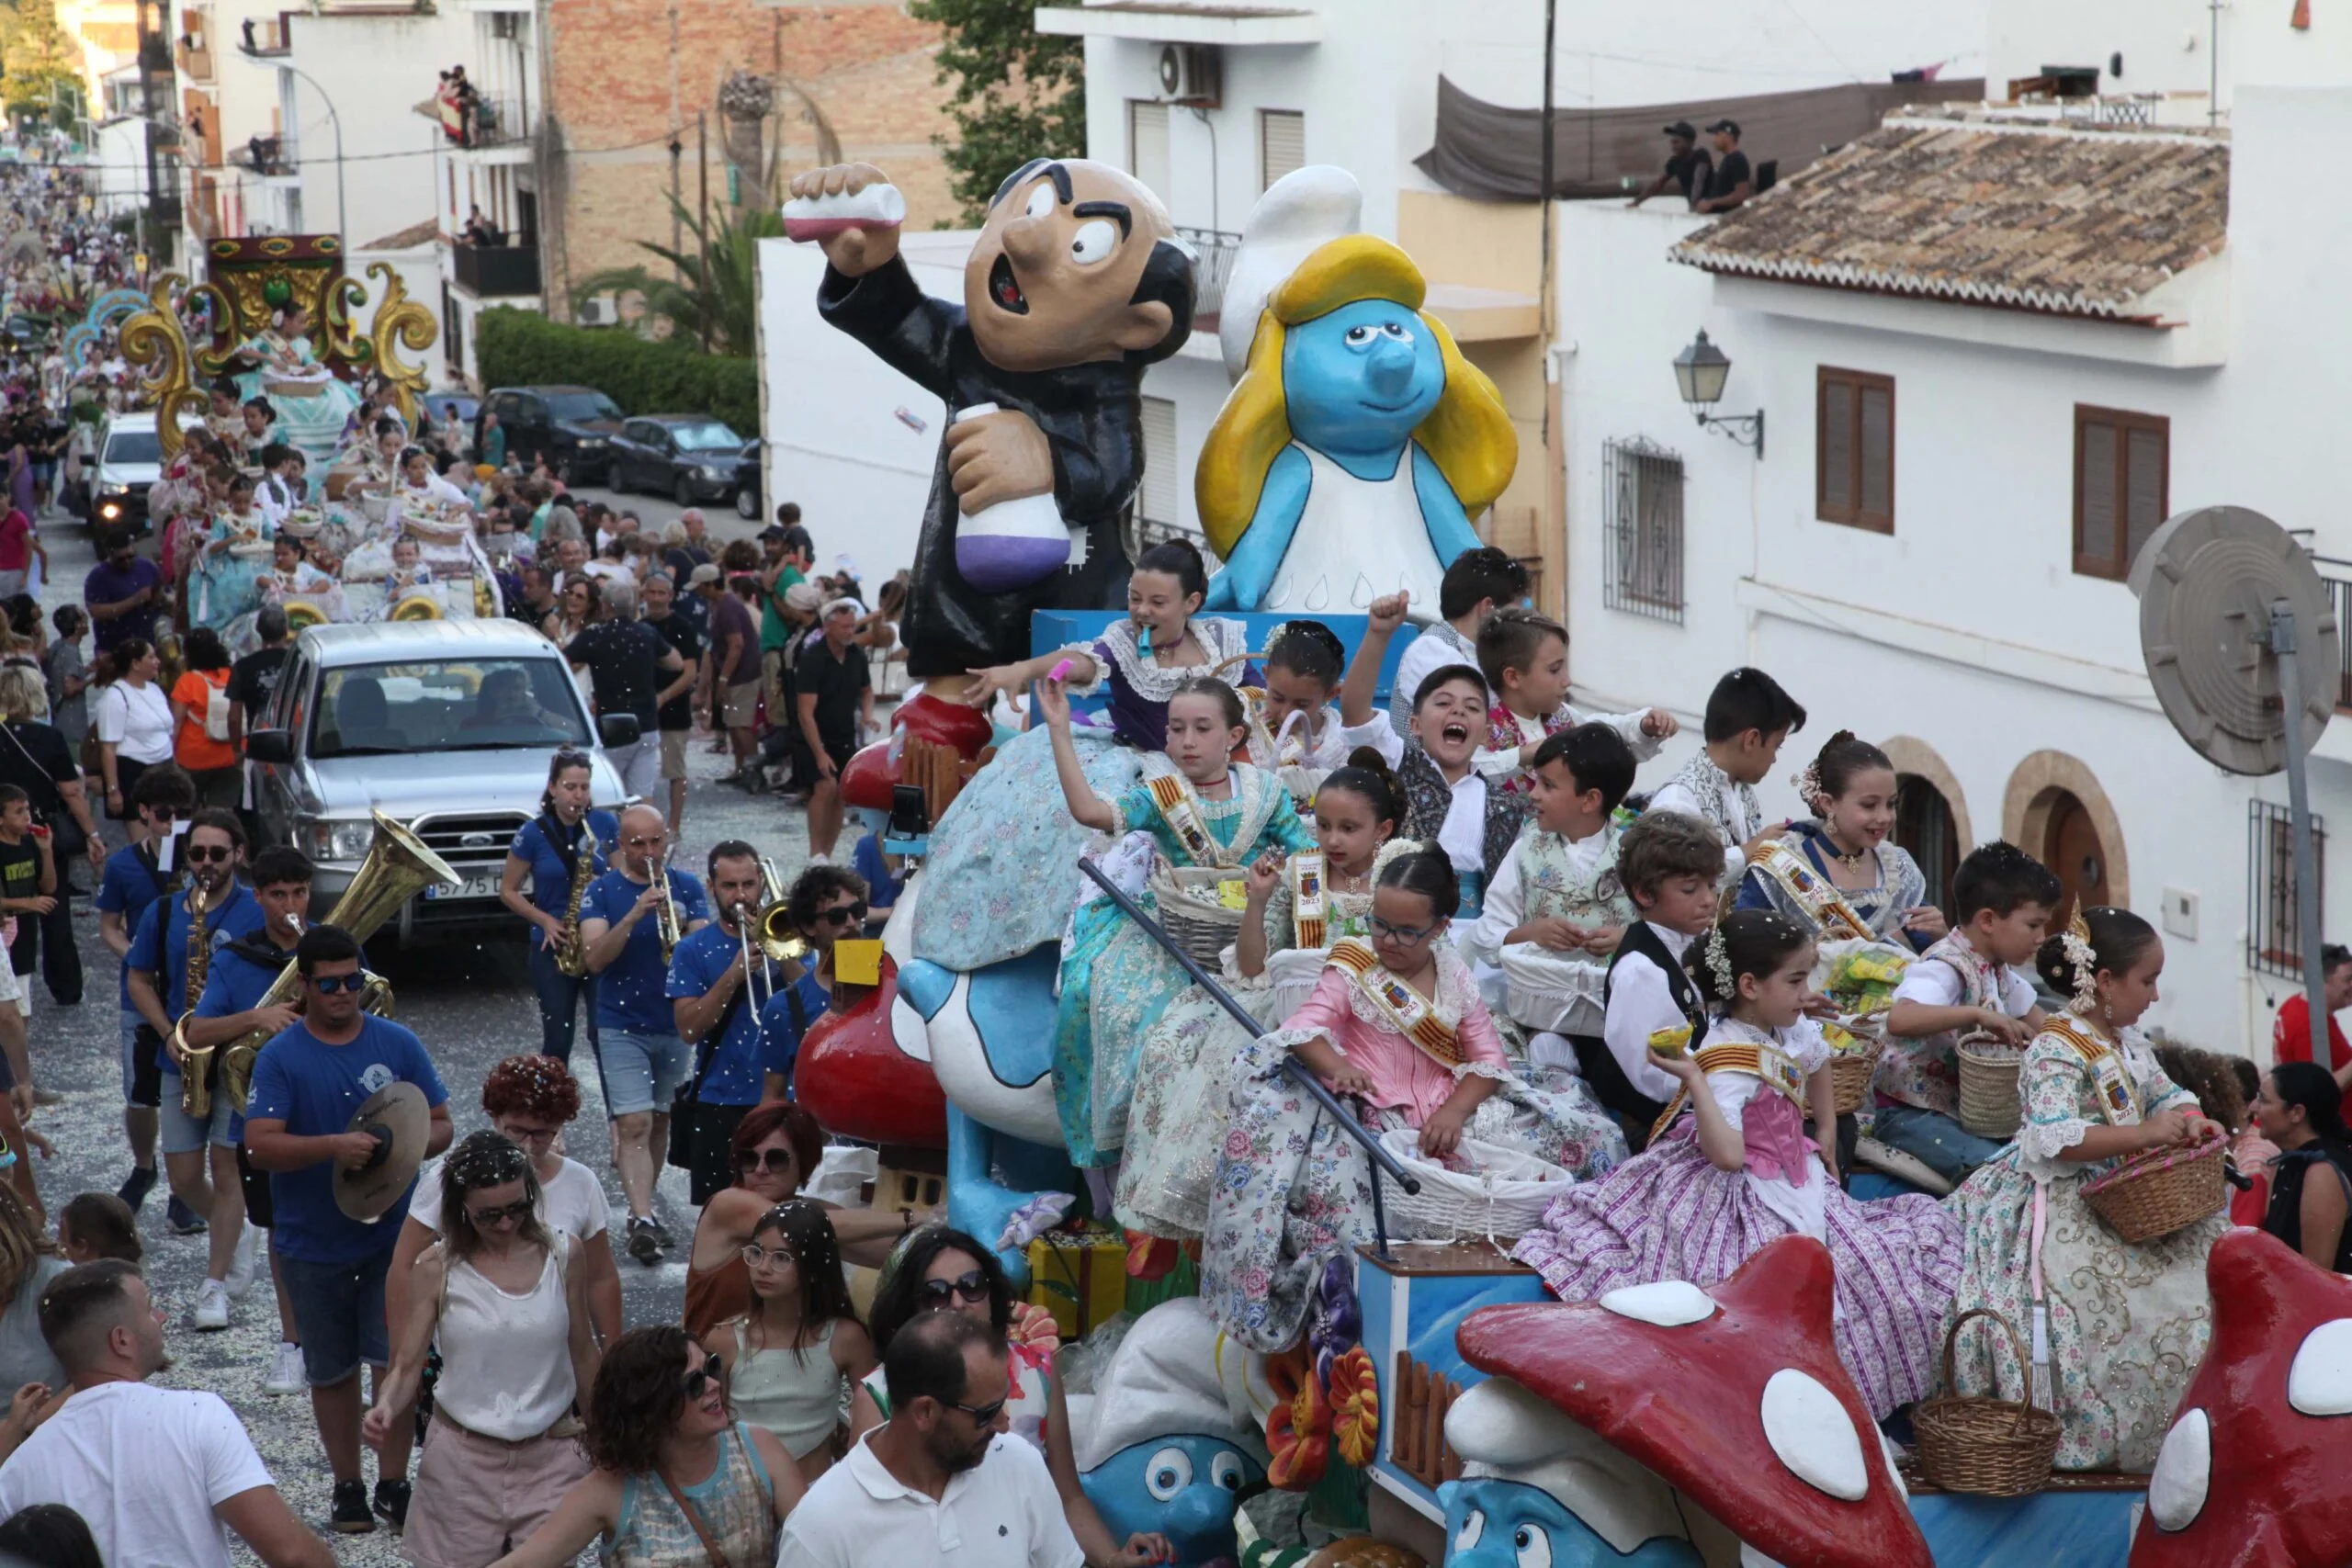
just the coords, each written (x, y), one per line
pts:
(1091, 417)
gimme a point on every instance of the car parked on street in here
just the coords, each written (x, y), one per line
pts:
(574, 426)
(446, 726)
(689, 457)
(748, 504)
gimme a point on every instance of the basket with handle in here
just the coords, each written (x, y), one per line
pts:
(1971, 1443)
(1990, 1105)
(1850, 1071)
(2158, 1191)
(1487, 1190)
(1191, 910)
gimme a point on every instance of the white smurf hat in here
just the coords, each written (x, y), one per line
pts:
(1168, 1376)
(1503, 1432)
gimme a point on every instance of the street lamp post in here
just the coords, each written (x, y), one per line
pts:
(334, 120)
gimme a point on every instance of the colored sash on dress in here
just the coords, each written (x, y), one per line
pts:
(1412, 1014)
(1307, 897)
(2117, 1099)
(1821, 900)
(1181, 810)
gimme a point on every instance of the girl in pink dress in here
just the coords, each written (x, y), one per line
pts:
(1737, 1168)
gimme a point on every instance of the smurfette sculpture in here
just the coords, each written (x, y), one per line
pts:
(1349, 460)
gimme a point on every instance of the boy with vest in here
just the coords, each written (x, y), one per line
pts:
(1670, 864)
(1749, 716)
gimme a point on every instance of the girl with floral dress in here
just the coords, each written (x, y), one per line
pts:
(1736, 1169)
(2127, 1322)
(1296, 909)
(1003, 869)
(1841, 874)
(1200, 808)
(1394, 1024)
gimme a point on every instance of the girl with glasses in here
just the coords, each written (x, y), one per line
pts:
(678, 1482)
(1396, 1025)
(937, 1269)
(794, 1356)
(506, 1300)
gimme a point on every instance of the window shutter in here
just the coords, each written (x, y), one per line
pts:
(1147, 145)
(1282, 144)
(2143, 489)
(1876, 503)
(2095, 468)
(1162, 473)
(1837, 451)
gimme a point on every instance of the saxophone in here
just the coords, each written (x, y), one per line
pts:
(570, 953)
(196, 1061)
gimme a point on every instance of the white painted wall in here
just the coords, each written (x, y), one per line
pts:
(374, 68)
(1967, 627)
(119, 152)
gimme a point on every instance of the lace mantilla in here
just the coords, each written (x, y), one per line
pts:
(1147, 677)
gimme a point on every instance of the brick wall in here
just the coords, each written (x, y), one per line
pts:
(867, 67)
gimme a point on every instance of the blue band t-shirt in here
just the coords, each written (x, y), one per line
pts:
(740, 1063)
(129, 884)
(633, 991)
(775, 1017)
(160, 945)
(314, 1087)
(552, 864)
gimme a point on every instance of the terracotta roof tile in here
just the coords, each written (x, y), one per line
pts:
(2061, 216)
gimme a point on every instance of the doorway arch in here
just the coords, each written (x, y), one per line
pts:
(2056, 810)
(1931, 814)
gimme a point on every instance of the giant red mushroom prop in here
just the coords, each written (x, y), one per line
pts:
(1735, 1395)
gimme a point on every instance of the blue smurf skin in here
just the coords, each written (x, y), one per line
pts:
(1492, 1523)
(1185, 1487)
(1356, 384)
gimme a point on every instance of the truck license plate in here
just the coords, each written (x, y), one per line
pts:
(482, 887)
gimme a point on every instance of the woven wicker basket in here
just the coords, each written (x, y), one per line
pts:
(1972, 1443)
(1851, 1073)
(2161, 1191)
(1189, 907)
(1989, 1102)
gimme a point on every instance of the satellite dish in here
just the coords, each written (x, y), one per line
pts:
(2207, 582)
(2242, 648)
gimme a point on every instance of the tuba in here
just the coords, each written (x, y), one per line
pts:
(195, 1062)
(398, 866)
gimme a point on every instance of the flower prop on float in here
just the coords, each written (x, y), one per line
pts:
(2253, 1472)
(1350, 459)
(1733, 1397)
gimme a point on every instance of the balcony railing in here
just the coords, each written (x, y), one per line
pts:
(2337, 575)
(1213, 254)
(269, 157)
(497, 272)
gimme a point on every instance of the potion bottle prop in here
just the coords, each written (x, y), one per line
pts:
(1014, 543)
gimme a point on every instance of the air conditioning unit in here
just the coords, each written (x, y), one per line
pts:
(1191, 74)
(599, 311)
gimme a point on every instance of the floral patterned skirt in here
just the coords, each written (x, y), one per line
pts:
(2129, 1324)
(1003, 869)
(1115, 983)
(1292, 1189)
(1669, 1214)
(1177, 1122)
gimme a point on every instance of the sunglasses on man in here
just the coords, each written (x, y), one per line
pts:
(201, 854)
(843, 915)
(329, 985)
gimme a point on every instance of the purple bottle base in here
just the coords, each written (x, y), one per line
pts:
(997, 563)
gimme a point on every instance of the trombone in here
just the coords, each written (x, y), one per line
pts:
(769, 927)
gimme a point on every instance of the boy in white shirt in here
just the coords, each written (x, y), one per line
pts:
(1523, 654)
(1670, 864)
(1749, 717)
(1557, 907)
(2002, 901)
(1478, 583)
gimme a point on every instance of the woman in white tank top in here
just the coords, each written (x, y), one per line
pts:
(504, 1297)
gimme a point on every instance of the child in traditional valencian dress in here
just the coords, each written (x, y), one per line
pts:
(1737, 1170)
(1558, 908)
(2002, 900)
(1002, 871)
(1446, 801)
(1668, 863)
(1296, 908)
(1749, 716)
(1840, 874)
(1523, 654)
(2127, 1322)
(1204, 811)
(1295, 726)
(1478, 583)
(1396, 1025)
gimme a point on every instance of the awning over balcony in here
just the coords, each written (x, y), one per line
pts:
(1185, 21)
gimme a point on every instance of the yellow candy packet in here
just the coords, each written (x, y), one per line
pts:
(1233, 893)
(1670, 1042)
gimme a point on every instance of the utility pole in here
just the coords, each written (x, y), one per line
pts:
(702, 224)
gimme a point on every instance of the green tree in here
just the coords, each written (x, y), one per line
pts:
(728, 287)
(1019, 94)
(34, 53)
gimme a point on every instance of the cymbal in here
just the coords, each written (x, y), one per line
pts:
(401, 1122)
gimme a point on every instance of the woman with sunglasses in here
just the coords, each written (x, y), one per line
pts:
(506, 1299)
(776, 1147)
(937, 1269)
(677, 1482)
(792, 1359)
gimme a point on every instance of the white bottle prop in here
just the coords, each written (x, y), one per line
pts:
(808, 218)
(1014, 543)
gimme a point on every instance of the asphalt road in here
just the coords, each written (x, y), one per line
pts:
(471, 1004)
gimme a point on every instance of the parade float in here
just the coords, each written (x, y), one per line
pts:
(1437, 1406)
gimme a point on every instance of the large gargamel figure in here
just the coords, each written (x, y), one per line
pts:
(1076, 283)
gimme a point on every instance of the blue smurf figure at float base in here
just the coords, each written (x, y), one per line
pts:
(1171, 1440)
(1349, 460)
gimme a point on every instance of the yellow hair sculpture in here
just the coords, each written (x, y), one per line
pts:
(1468, 435)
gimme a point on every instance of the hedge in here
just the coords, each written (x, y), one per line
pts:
(518, 348)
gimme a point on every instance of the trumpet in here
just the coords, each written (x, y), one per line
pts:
(666, 923)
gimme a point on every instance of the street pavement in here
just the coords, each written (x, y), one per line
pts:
(469, 1001)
